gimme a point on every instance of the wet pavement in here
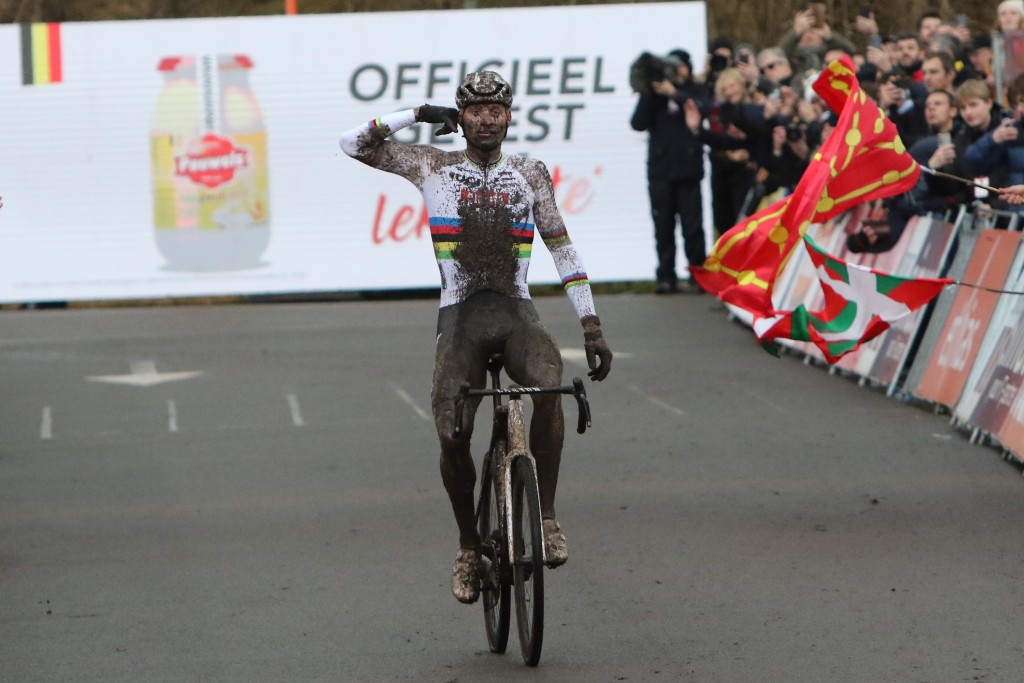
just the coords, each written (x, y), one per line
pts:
(251, 493)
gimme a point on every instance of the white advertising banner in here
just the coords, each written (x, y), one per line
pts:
(144, 159)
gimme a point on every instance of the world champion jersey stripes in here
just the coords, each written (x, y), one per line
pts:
(467, 203)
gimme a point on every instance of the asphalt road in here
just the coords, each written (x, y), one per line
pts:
(251, 493)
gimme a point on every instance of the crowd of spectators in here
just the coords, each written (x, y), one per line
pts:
(756, 112)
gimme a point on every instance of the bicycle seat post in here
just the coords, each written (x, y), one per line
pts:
(494, 365)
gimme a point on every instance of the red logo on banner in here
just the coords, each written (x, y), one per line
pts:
(212, 161)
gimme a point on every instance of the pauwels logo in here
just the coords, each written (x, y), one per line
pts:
(211, 161)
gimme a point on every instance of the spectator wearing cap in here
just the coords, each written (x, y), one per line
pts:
(1010, 16)
(721, 46)
(719, 58)
(981, 55)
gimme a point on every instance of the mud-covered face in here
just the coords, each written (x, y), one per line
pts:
(485, 126)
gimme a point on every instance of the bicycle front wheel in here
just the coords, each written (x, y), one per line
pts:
(528, 561)
(496, 589)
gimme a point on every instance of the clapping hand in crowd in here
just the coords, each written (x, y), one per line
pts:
(693, 116)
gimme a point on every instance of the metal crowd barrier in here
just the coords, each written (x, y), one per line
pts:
(964, 352)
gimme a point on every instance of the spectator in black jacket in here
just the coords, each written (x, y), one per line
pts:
(938, 151)
(902, 100)
(675, 167)
(932, 194)
(732, 170)
(980, 114)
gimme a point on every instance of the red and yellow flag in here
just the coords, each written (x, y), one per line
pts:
(41, 60)
(863, 159)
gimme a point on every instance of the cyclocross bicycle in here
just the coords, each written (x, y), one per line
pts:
(508, 514)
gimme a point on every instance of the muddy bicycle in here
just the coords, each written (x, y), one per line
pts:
(508, 514)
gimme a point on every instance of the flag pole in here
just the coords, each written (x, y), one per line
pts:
(291, 6)
(932, 171)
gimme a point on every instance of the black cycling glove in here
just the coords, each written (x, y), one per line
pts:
(448, 116)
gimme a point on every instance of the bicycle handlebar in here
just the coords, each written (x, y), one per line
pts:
(578, 390)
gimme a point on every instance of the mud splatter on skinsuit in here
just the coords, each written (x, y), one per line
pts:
(482, 224)
(482, 218)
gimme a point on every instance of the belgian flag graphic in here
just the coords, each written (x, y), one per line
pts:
(40, 54)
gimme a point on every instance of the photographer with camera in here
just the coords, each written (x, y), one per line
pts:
(789, 158)
(719, 58)
(902, 100)
(675, 158)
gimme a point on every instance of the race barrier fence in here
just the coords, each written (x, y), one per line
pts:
(964, 353)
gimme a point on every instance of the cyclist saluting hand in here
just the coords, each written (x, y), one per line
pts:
(484, 208)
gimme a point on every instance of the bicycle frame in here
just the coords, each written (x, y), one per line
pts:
(510, 421)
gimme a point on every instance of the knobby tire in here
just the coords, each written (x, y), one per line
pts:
(497, 600)
(528, 562)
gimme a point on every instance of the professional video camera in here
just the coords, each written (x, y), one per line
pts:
(648, 68)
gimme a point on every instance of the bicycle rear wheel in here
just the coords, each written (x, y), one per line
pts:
(496, 594)
(528, 562)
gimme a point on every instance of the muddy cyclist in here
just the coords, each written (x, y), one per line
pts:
(484, 208)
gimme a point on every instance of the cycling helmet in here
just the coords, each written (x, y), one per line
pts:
(483, 87)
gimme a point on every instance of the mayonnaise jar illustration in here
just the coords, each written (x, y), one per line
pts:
(209, 156)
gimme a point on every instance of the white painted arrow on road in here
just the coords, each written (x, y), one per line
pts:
(144, 374)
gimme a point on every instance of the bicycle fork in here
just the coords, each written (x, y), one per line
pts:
(516, 449)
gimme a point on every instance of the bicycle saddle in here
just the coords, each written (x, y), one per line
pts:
(495, 362)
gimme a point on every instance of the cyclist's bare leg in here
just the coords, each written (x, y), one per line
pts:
(454, 366)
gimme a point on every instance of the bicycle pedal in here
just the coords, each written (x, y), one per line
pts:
(488, 577)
